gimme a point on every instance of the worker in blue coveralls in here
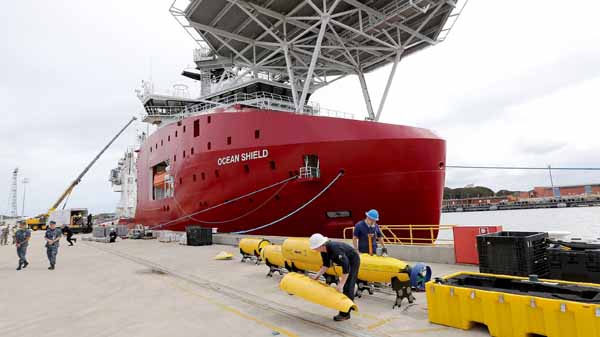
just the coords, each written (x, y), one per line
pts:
(52, 237)
(367, 234)
(342, 255)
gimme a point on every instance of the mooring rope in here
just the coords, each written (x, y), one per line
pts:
(227, 202)
(238, 217)
(339, 175)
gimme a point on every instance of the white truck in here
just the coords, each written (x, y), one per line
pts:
(76, 218)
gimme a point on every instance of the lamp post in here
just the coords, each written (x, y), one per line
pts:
(25, 181)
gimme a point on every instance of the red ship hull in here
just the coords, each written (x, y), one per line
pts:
(396, 169)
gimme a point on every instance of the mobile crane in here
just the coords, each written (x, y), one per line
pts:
(39, 221)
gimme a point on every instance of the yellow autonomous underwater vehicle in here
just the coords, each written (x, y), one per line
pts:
(316, 292)
(250, 248)
(298, 257)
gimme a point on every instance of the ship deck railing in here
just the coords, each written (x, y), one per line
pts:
(414, 235)
(260, 100)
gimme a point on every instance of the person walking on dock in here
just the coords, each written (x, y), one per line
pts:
(4, 236)
(66, 230)
(343, 255)
(52, 237)
(367, 234)
(22, 236)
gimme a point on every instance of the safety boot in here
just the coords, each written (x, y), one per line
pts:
(342, 316)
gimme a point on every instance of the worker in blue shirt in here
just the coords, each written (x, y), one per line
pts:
(367, 232)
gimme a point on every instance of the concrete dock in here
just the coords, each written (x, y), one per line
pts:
(148, 288)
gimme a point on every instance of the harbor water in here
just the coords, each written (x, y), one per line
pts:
(582, 222)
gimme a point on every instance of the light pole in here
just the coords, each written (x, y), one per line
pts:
(25, 181)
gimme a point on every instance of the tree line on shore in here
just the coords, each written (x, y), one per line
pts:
(474, 192)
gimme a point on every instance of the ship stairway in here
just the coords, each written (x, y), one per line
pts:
(452, 19)
(309, 173)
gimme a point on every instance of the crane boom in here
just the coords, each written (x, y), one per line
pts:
(87, 168)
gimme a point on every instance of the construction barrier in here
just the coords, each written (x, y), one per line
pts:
(553, 309)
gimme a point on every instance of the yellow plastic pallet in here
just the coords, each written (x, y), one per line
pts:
(510, 315)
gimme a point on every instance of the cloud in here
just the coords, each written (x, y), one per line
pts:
(516, 92)
(542, 148)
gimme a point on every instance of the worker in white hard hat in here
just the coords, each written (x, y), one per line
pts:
(342, 254)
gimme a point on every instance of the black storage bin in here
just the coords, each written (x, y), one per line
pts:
(198, 236)
(513, 253)
(574, 261)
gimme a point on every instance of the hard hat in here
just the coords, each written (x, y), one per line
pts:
(373, 214)
(53, 222)
(317, 240)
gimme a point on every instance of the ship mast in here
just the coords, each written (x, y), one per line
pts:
(308, 44)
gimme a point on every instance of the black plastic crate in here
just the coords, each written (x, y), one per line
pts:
(198, 236)
(513, 253)
(581, 265)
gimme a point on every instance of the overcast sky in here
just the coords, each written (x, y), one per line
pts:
(516, 83)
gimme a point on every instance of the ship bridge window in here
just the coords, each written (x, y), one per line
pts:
(175, 133)
(209, 119)
(184, 128)
(196, 128)
(208, 145)
(192, 151)
(168, 138)
(256, 134)
(229, 140)
(162, 182)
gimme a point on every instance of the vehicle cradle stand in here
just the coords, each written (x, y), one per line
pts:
(402, 289)
(249, 257)
(274, 269)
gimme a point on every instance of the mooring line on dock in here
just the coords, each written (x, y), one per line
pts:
(233, 293)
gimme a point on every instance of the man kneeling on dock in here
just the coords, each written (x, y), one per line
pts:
(343, 255)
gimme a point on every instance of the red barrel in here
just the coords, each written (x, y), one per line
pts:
(465, 242)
